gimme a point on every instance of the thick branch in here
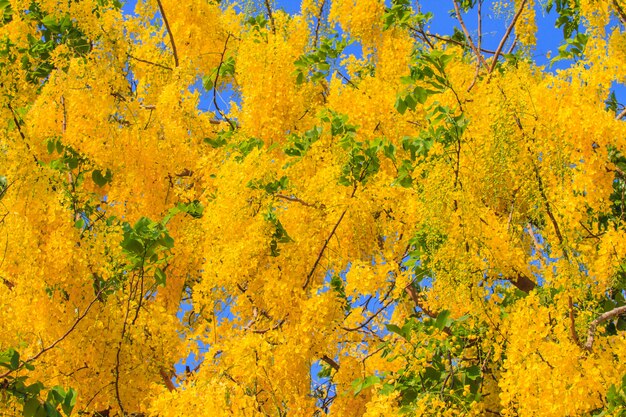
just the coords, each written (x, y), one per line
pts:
(601, 319)
(166, 379)
(330, 362)
(572, 320)
(523, 283)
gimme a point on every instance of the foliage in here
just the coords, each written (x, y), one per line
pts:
(219, 208)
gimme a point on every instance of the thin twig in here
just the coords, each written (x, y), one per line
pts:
(270, 15)
(479, 56)
(321, 252)
(618, 311)
(156, 64)
(318, 23)
(426, 35)
(19, 129)
(217, 76)
(59, 340)
(169, 32)
(294, 199)
(506, 36)
(621, 114)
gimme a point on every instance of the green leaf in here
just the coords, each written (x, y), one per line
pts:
(160, 277)
(361, 384)
(10, 359)
(400, 105)
(31, 407)
(133, 245)
(443, 319)
(70, 401)
(99, 179)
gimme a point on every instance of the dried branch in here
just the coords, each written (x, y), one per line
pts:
(618, 311)
(169, 32)
(506, 36)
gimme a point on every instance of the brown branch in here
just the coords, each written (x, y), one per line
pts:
(156, 64)
(618, 311)
(270, 15)
(59, 340)
(169, 32)
(166, 379)
(621, 114)
(318, 23)
(506, 36)
(19, 129)
(370, 318)
(457, 10)
(572, 321)
(523, 283)
(321, 252)
(296, 200)
(410, 289)
(448, 40)
(555, 224)
(330, 362)
(620, 12)
(217, 76)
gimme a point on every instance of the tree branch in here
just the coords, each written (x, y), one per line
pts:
(169, 32)
(479, 56)
(601, 319)
(217, 76)
(330, 362)
(506, 36)
(270, 15)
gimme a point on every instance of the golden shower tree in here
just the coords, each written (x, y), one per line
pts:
(428, 226)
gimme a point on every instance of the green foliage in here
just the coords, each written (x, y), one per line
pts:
(400, 14)
(316, 65)
(57, 403)
(279, 234)
(427, 78)
(447, 373)
(54, 30)
(147, 245)
(298, 145)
